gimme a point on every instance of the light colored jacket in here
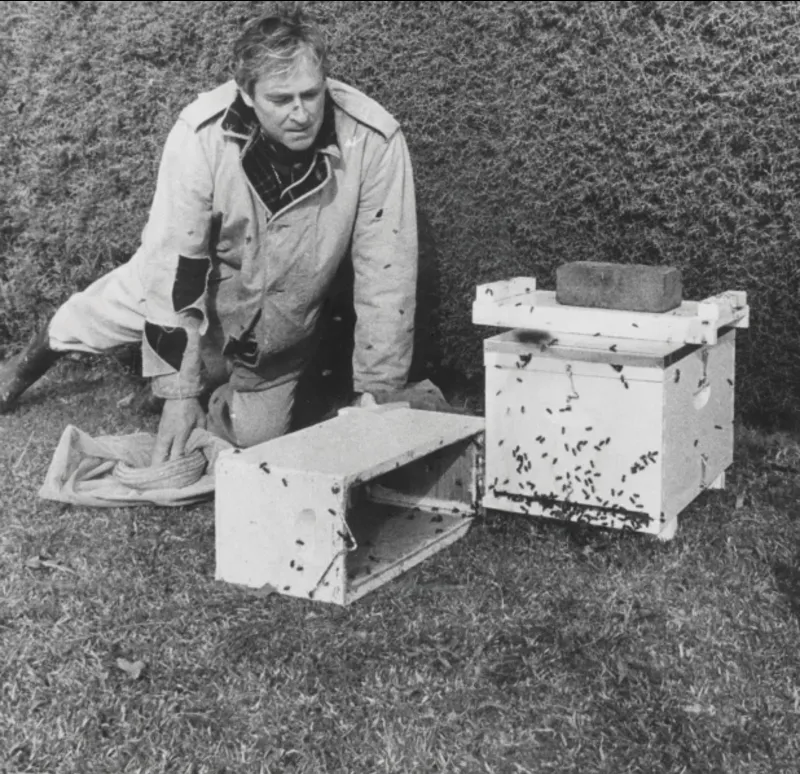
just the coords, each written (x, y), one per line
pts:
(270, 273)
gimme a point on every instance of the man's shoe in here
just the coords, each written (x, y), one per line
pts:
(21, 371)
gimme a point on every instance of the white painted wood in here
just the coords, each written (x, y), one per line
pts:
(698, 423)
(555, 443)
(302, 513)
(600, 357)
(283, 527)
(591, 349)
(649, 437)
(718, 482)
(382, 495)
(669, 530)
(503, 290)
(362, 444)
(690, 323)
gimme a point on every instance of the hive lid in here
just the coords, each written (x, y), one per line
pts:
(515, 303)
(363, 443)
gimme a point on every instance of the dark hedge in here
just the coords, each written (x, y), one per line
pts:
(542, 132)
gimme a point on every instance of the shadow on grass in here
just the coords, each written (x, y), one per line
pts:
(787, 578)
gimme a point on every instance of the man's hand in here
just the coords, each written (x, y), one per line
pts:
(179, 417)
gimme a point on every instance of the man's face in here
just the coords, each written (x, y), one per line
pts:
(291, 105)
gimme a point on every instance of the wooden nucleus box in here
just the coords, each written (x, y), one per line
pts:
(334, 511)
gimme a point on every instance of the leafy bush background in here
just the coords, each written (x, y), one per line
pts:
(647, 132)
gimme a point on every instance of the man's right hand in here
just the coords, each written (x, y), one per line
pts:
(179, 417)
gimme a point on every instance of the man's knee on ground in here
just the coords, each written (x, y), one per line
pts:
(249, 418)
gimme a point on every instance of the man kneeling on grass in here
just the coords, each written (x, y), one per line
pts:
(265, 184)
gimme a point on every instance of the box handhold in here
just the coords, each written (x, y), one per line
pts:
(628, 287)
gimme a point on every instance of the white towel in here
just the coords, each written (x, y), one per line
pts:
(81, 471)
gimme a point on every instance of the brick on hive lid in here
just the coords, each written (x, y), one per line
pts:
(628, 287)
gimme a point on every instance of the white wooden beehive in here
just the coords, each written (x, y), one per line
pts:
(615, 419)
(336, 510)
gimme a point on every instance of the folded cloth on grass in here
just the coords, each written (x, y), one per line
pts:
(82, 470)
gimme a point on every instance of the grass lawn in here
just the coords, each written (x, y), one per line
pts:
(526, 647)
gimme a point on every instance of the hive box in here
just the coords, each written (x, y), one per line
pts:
(333, 511)
(609, 430)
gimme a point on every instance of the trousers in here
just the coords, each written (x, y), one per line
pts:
(110, 313)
